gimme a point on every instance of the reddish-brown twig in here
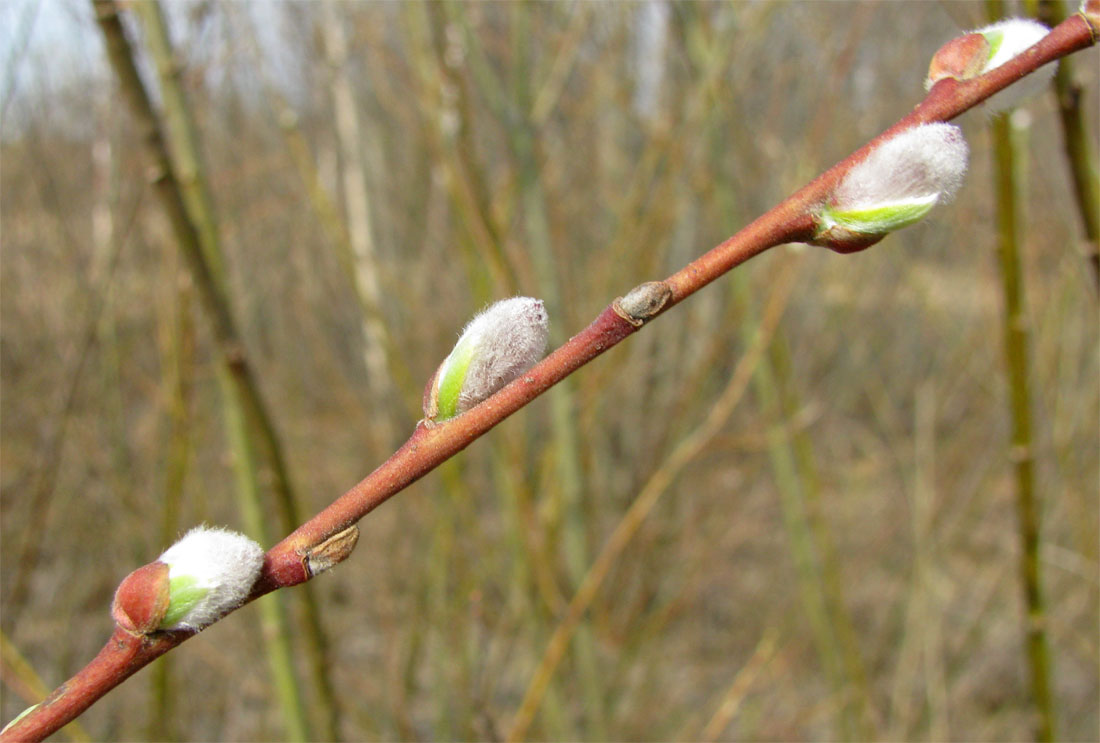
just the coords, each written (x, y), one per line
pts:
(296, 558)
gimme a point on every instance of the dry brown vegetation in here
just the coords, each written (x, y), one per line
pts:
(839, 560)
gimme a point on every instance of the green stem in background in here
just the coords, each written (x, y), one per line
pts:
(20, 676)
(563, 414)
(179, 360)
(927, 607)
(659, 483)
(1080, 153)
(796, 478)
(1007, 189)
(273, 619)
(855, 692)
(515, 501)
(483, 247)
(332, 223)
(489, 272)
(246, 414)
(446, 607)
(1016, 343)
(456, 150)
(357, 209)
(181, 135)
(803, 551)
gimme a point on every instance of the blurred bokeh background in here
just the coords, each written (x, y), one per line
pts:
(833, 553)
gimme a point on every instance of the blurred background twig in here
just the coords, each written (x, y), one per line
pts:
(1080, 148)
(1009, 176)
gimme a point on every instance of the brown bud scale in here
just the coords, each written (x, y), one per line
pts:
(961, 58)
(332, 551)
(141, 599)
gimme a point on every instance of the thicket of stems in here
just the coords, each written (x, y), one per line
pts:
(429, 448)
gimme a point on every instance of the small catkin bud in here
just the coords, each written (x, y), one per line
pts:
(894, 186)
(961, 58)
(497, 346)
(210, 572)
(988, 48)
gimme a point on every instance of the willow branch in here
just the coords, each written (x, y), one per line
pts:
(328, 537)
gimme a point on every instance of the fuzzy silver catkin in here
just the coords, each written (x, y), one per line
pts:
(510, 337)
(498, 345)
(1015, 36)
(224, 563)
(926, 161)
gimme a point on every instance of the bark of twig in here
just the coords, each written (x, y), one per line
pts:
(288, 563)
(18, 675)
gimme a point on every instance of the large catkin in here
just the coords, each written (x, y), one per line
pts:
(927, 161)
